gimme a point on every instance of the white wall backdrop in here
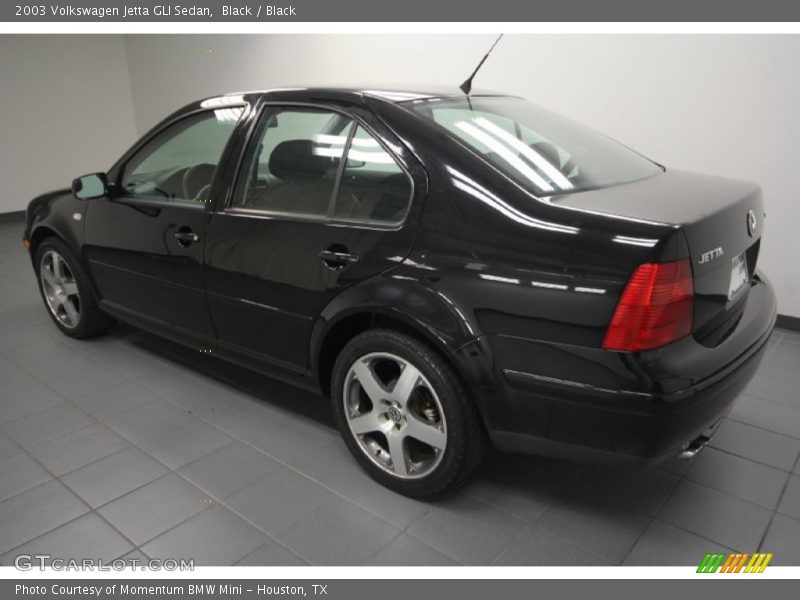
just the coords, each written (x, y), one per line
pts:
(725, 105)
(65, 110)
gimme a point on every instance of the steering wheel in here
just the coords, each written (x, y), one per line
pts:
(197, 180)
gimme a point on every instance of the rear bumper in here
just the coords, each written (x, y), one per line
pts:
(616, 408)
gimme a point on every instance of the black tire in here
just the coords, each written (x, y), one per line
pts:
(466, 440)
(91, 321)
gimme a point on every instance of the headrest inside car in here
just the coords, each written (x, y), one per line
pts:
(295, 159)
(549, 151)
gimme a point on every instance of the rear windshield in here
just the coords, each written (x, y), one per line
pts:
(546, 153)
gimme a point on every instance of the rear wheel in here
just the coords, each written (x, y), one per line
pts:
(67, 293)
(405, 414)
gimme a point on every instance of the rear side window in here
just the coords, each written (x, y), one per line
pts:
(179, 163)
(295, 166)
(373, 186)
(292, 163)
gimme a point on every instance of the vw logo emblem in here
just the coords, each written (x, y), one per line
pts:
(752, 223)
(395, 414)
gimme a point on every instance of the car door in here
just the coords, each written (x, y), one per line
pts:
(144, 241)
(303, 224)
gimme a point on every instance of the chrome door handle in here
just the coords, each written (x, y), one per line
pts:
(186, 237)
(338, 260)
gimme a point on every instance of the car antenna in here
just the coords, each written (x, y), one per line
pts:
(466, 87)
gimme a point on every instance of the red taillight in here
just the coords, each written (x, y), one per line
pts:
(655, 308)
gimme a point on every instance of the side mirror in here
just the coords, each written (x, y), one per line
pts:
(90, 186)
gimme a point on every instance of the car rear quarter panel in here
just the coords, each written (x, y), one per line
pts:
(516, 265)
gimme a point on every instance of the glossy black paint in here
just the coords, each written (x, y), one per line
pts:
(276, 277)
(515, 291)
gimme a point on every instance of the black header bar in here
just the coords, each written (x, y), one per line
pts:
(401, 11)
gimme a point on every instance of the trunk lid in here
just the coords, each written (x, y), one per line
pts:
(721, 219)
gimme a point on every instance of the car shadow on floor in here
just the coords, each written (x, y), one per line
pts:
(264, 388)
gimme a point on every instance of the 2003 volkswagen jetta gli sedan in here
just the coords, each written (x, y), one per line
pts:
(451, 270)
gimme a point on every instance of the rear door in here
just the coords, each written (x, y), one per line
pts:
(144, 242)
(303, 224)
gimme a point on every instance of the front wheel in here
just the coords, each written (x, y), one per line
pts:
(405, 414)
(67, 293)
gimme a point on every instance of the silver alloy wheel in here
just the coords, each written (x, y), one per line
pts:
(395, 415)
(60, 289)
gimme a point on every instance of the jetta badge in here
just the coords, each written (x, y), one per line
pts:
(752, 223)
(710, 255)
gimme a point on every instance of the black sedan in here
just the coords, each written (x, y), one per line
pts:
(452, 270)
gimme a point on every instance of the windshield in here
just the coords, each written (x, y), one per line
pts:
(546, 153)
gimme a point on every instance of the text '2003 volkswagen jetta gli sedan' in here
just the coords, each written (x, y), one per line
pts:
(451, 270)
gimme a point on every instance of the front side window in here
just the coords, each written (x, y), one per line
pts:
(546, 153)
(294, 167)
(179, 163)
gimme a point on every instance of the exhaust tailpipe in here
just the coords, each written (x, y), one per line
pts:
(694, 447)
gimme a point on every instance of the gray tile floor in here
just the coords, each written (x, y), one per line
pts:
(129, 444)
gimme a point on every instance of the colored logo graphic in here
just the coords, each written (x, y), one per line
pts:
(735, 562)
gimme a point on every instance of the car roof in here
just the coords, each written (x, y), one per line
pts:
(389, 93)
